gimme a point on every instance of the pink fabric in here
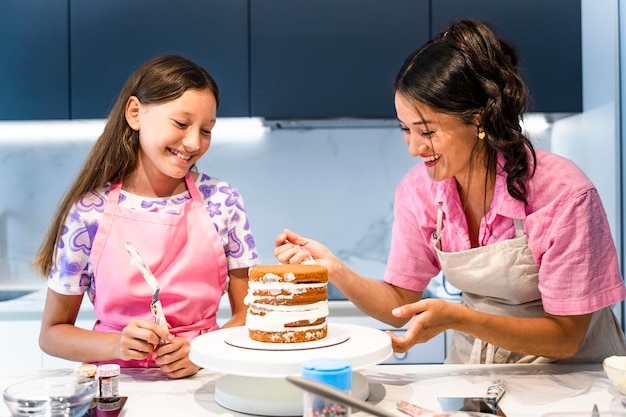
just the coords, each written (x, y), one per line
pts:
(182, 250)
(567, 228)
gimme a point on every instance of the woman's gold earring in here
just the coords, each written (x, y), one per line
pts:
(481, 135)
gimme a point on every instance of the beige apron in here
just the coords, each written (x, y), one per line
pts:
(502, 279)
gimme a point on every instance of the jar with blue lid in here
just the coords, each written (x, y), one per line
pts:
(334, 372)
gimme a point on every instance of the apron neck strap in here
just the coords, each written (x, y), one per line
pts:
(519, 228)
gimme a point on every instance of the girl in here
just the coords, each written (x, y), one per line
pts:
(139, 185)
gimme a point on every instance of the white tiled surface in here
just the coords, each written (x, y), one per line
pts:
(334, 185)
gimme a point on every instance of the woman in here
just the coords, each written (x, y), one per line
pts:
(522, 232)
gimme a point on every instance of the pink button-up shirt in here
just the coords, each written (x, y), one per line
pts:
(568, 233)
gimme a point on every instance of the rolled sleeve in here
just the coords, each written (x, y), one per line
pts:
(412, 261)
(579, 271)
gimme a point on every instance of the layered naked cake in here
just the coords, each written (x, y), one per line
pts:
(287, 303)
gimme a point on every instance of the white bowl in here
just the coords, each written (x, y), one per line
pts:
(615, 368)
(68, 396)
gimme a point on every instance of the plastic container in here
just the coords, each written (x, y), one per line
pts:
(108, 381)
(88, 370)
(615, 369)
(334, 372)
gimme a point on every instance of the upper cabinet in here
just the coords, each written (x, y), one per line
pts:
(112, 38)
(277, 59)
(317, 59)
(547, 35)
(34, 60)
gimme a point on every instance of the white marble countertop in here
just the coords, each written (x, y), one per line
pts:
(532, 390)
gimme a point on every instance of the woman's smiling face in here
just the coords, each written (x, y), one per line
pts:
(445, 143)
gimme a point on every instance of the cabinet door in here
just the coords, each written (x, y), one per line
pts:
(315, 59)
(110, 39)
(547, 35)
(34, 66)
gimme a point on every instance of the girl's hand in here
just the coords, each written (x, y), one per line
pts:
(173, 358)
(139, 339)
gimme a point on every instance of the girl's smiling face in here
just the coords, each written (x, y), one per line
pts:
(446, 144)
(173, 135)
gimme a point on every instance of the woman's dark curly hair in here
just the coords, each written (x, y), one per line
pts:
(466, 70)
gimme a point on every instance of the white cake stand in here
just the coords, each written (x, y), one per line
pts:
(255, 382)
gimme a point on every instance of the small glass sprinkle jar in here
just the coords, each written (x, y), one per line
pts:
(108, 381)
(334, 372)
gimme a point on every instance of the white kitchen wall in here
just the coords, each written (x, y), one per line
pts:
(335, 185)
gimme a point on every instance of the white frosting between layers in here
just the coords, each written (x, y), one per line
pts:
(312, 333)
(269, 277)
(276, 317)
(277, 288)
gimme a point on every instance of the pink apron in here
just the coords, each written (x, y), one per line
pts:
(184, 253)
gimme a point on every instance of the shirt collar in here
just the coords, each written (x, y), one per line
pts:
(503, 203)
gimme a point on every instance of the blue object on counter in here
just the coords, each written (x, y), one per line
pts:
(334, 372)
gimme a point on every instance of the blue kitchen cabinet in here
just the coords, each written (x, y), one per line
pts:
(110, 39)
(315, 59)
(546, 33)
(34, 75)
(277, 59)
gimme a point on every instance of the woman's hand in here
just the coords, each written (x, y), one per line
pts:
(139, 339)
(430, 317)
(173, 358)
(291, 248)
(375, 298)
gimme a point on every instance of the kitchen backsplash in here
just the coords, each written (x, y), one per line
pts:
(335, 185)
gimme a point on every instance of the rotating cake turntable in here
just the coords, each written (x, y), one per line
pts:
(255, 380)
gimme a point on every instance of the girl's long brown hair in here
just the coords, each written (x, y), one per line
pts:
(115, 153)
